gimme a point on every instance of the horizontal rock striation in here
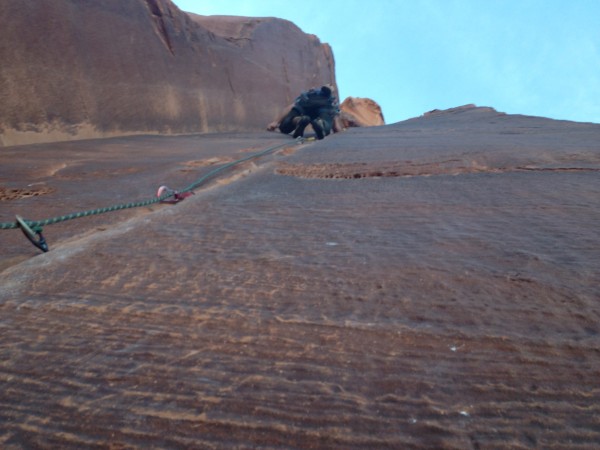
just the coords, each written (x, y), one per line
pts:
(428, 284)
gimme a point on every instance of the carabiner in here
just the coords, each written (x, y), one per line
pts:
(165, 192)
(35, 236)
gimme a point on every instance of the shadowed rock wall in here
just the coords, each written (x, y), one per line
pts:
(81, 69)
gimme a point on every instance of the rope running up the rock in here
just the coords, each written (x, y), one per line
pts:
(37, 224)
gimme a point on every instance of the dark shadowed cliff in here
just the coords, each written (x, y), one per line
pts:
(77, 69)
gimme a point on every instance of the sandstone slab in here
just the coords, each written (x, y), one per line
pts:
(427, 284)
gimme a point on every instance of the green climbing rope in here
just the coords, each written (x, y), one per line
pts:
(36, 225)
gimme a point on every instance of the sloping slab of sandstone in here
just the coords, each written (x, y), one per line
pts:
(428, 284)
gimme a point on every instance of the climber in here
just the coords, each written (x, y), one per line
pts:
(317, 107)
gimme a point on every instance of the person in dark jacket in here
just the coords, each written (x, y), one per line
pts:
(317, 107)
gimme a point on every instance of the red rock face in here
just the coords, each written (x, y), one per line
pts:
(361, 112)
(430, 284)
(93, 69)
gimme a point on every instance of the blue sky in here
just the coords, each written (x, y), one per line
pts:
(534, 57)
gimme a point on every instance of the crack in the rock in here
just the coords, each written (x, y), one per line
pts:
(369, 170)
(160, 25)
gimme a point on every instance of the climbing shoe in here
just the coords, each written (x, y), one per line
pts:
(317, 125)
(302, 123)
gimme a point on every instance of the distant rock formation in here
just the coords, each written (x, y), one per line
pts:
(460, 109)
(361, 112)
(75, 69)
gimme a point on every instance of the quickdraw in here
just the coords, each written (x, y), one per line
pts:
(33, 229)
(168, 195)
(34, 235)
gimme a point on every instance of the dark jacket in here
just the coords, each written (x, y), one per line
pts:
(317, 103)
